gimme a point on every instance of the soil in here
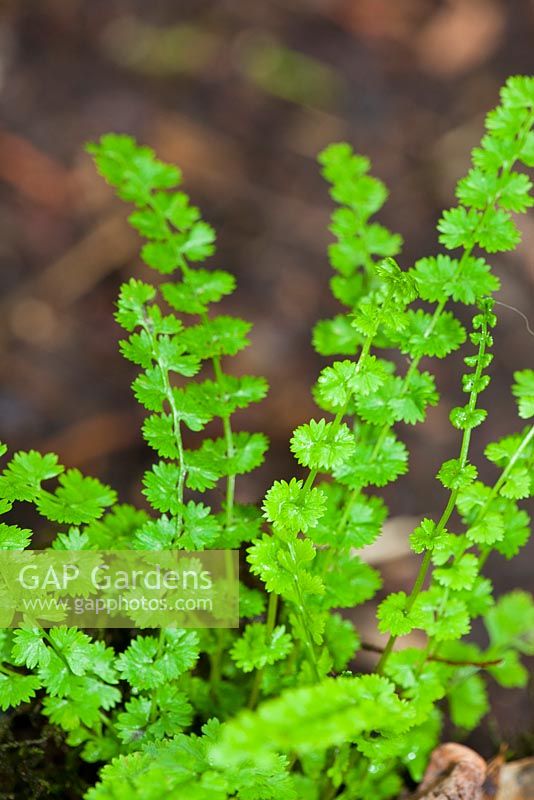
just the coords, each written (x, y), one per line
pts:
(35, 761)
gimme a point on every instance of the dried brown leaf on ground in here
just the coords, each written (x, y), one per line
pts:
(104, 247)
(456, 772)
(95, 437)
(460, 36)
(35, 174)
(516, 781)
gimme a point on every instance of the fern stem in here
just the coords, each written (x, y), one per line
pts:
(420, 579)
(301, 613)
(525, 441)
(310, 480)
(272, 610)
(180, 447)
(505, 170)
(169, 396)
(153, 704)
(449, 508)
(230, 450)
(229, 439)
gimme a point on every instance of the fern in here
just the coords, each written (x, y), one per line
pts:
(274, 710)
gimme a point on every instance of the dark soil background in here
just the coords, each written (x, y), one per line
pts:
(242, 95)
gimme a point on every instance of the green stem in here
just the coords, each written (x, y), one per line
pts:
(506, 471)
(449, 508)
(169, 396)
(301, 614)
(215, 663)
(524, 443)
(106, 722)
(420, 579)
(312, 475)
(366, 348)
(153, 704)
(46, 636)
(11, 673)
(272, 610)
(179, 444)
(506, 169)
(229, 439)
(310, 480)
(411, 371)
(329, 791)
(312, 656)
(348, 506)
(230, 451)
(56, 650)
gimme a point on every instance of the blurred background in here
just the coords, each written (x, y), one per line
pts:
(242, 96)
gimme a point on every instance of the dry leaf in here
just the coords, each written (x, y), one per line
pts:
(455, 772)
(517, 781)
(459, 36)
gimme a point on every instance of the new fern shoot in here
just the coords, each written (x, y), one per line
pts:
(278, 710)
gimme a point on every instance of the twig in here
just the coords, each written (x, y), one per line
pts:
(374, 648)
